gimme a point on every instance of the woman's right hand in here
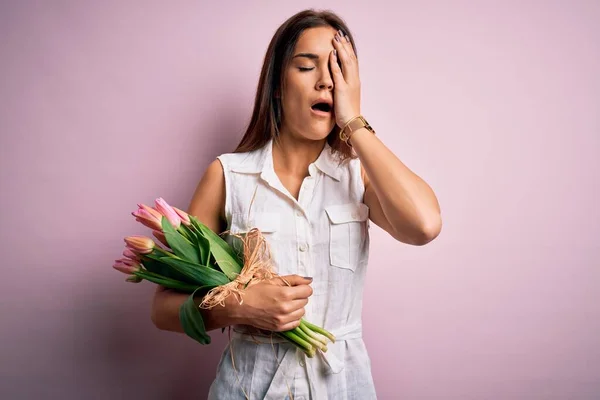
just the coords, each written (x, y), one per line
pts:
(273, 305)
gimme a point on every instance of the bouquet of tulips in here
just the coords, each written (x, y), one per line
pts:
(196, 260)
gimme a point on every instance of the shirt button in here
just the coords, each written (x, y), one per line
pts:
(303, 247)
(298, 213)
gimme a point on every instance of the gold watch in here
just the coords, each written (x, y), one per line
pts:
(353, 125)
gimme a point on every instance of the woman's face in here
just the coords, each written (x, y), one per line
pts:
(307, 96)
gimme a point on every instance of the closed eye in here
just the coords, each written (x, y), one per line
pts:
(306, 68)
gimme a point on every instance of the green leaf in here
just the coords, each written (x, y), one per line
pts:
(203, 249)
(196, 273)
(166, 282)
(191, 318)
(199, 242)
(187, 233)
(223, 254)
(179, 244)
(153, 263)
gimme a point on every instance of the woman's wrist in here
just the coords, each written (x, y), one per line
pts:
(223, 316)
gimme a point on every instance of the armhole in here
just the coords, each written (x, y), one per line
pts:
(227, 206)
(356, 171)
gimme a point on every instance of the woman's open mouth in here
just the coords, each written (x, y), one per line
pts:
(322, 109)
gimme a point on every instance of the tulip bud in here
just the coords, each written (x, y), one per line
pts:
(165, 209)
(185, 218)
(127, 261)
(148, 216)
(130, 254)
(126, 266)
(140, 244)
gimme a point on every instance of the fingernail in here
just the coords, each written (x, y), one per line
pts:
(334, 52)
(336, 37)
(308, 277)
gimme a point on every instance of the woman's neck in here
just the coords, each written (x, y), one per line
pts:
(292, 156)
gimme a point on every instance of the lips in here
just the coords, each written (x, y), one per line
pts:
(322, 105)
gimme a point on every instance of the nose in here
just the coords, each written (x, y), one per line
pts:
(325, 80)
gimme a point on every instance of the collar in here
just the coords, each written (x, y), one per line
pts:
(261, 160)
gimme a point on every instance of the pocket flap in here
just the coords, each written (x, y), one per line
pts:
(351, 212)
(265, 221)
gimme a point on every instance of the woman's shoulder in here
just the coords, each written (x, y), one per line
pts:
(240, 160)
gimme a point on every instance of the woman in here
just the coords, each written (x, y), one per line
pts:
(311, 191)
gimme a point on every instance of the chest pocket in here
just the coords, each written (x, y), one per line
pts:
(347, 233)
(267, 222)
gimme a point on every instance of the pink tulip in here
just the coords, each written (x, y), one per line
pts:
(161, 237)
(168, 211)
(151, 210)
(126, 266)
(130, 254)
(127, 261)
(185, 218)
(148, 216)
(140, 244)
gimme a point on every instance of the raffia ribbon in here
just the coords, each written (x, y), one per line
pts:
(257, 268)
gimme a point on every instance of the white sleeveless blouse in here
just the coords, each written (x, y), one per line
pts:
(324, 235)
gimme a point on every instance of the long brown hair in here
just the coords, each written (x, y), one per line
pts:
(266, 117)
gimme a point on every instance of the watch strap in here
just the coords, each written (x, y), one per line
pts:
(353, 125)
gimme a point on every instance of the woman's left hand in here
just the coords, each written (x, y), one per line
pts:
(346, 91)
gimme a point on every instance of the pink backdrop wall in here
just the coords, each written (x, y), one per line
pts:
(495, 104)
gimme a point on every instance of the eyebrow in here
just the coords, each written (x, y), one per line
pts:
(307, 55)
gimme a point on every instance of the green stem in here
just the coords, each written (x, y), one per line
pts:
(163, 251)
(307, 347)
(298, 331)
(319, 330)
(317, 336)
(283, 336)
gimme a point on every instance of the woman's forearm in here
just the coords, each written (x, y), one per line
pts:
(407, 201)
(166, 305)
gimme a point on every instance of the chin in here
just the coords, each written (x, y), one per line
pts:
(320, 132)
(317, 135)
(315, 131)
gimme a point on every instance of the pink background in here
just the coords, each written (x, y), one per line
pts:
(495, 104)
